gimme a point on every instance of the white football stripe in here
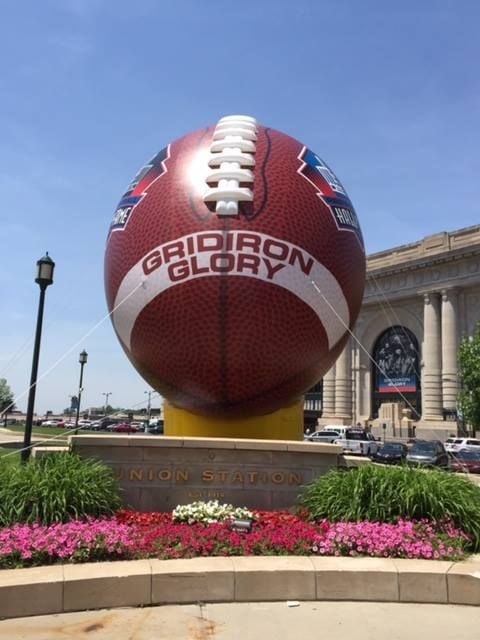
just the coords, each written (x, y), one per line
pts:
(289, 277)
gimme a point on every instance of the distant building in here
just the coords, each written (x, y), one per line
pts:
(420, 299)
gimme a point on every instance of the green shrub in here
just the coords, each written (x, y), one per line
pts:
(384, 494)
(56, 488)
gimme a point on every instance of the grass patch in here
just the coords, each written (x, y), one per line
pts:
(9, 456)
(385, 494)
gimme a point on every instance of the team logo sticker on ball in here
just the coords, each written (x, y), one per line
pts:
(136, 190)
(331, 190)
(238, 271)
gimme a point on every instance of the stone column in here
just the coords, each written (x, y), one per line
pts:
(355, 382)
(449, 348)
(343, 384)
(364, 395)
(328, 401)
(432, 359)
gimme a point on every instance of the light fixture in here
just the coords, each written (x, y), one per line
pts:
(45, 268)
(241, 525)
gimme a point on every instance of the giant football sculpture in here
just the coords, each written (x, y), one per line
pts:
(234, 271)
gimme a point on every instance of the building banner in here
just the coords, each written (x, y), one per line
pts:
(405, 384)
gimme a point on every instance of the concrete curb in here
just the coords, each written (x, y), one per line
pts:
(64, 588)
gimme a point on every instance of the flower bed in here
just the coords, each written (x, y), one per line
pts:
(131, 535)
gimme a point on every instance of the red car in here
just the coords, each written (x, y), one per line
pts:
(124, 427)
(465, 461)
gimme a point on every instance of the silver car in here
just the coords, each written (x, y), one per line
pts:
(428, 453)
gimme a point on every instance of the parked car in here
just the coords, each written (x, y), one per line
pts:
(466, 461)
(358, 441)
(327, 437)
(391, 453)
(105, 423)
(84, 423)
(123, 427)
(450, 443)
(156, 430)
(428, 453)
(96, 425)
(53, 422)
(338, 428)
(458, 444)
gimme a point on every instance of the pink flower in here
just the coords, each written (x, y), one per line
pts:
(131, 535)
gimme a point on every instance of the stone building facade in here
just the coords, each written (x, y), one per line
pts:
(420, 299)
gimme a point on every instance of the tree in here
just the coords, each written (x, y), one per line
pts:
(6, 397)
(469, 396)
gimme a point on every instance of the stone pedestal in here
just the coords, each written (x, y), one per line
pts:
(157, 473)
(284, 424)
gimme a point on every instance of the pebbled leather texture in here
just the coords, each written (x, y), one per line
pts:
(233, 345)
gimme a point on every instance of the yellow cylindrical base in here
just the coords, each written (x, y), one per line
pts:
(284, 424)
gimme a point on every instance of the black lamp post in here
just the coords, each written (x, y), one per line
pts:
(45, 268)
(83, 361)
(149, 404)
(107, 394)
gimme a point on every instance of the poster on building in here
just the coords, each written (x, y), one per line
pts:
(396, 357)
(405, 384)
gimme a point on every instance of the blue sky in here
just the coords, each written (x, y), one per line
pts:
(388, 93)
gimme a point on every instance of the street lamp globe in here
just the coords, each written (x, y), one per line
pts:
(83, 357)
(45, 269)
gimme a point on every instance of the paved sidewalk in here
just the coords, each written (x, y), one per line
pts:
(9, 437)
(256, 621)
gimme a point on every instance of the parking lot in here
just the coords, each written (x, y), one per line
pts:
(457, 454)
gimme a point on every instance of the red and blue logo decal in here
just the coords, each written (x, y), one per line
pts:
(330, 190)
(137, 189)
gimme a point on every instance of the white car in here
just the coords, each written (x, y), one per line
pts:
(358, 441)
(325, 437)
(338, 428)
(456, 444)
(53, 422)
(450, 443)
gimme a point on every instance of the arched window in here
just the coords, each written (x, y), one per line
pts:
(396, 374)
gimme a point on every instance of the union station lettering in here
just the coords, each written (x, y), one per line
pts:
(209, 476)
(162, 473)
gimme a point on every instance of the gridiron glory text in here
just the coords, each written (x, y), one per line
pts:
(233, 252)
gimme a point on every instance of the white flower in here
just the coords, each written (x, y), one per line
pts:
(208, 512)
